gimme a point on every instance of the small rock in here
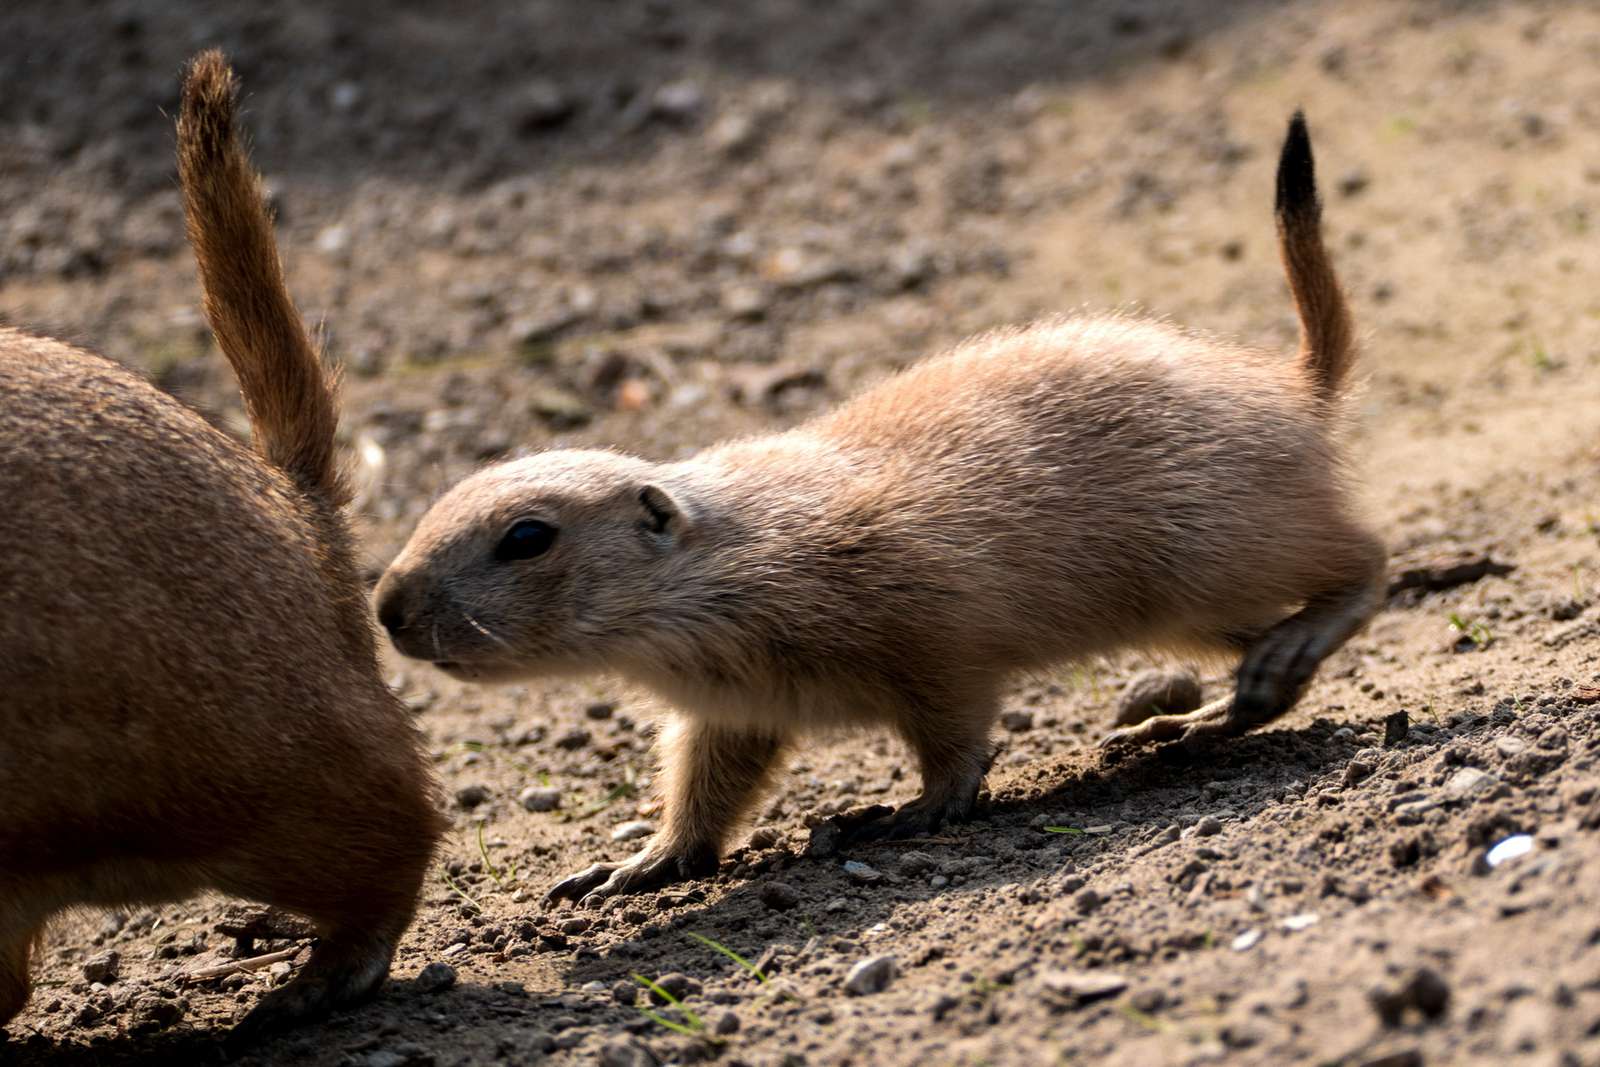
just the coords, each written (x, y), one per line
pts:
(405, 1056)
(1510, 747)
(625, 992)
(628, 831)
(825, 839)
(1354, 182)
(727, 1023)
(1469, 783)
(1422, 990)
(861, 873)
(152, 1012)
(1088, 900)
(1081, 987)
(575, 925)
(470, 796)
(745, 302)
(1513, 847)
(734, 133)
(677, 102)
(1359, 769)
(778, 896)
(764, 837)
(250, 922)
(540, 798)
(599, 711)
(627, 1053)
(1017, 721)
(1395, 728)
(1157, 692)
(1408, 1057)
(102, 967)
(1246, 941)
(333, 240)
(542, 105)
(1303, 921)
(434, 978)
(915, 864)
(678, 984)
(871, 975)
(573, 739)
(1207, 826)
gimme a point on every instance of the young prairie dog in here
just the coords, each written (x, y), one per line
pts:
(190, 696)
(1034, 496)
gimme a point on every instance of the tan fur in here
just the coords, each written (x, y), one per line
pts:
(1034, 496)
(189, 687)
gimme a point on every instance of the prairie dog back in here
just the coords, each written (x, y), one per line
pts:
(1030, 497)
(189, 687)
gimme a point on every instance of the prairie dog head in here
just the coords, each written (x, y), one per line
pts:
(534, 566)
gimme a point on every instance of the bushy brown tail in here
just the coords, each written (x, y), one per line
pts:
(290, 397)
(1327, 339)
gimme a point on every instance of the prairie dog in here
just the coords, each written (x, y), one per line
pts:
(1033, 496)
(189, 688)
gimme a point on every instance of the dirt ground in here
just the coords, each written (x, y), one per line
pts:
(652, 225)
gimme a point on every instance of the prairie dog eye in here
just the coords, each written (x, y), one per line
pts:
(525, 540)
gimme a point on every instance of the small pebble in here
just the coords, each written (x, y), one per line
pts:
(470, 796)
(765, 837)
(1514, 847)
(871, 975)
(1208, 825)
(102, 968)
(540, 798)
(861, 873)
(434, 978)
(1157, 692)
(628, 831)
(1395, 728)
(778, 896)
(1246, 941)
(1082, 987)
(1469, 783)
(678, 984)
(1017, 721)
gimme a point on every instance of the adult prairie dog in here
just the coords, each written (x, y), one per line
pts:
(1033, 496)
(189, 686)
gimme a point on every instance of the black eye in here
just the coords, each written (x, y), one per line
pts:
(526, 539)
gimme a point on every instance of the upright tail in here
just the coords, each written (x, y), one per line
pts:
(291, 399)
(1327, 339)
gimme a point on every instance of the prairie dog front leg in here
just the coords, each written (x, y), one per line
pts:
(710, 775)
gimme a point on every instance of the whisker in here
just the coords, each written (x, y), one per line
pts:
(484, 630)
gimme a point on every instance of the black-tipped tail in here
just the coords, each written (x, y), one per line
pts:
(289, 395)
(1297, 174)
(1327, 339)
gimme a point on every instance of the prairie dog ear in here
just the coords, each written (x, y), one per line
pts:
(663, 514)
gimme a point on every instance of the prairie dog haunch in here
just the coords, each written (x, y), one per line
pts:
(189, 688)
(1032, 496)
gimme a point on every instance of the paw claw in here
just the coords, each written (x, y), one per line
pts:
(647, 870)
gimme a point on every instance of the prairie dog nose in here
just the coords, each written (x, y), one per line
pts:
(390, 600)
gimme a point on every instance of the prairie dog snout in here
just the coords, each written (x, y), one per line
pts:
(1032, 496)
